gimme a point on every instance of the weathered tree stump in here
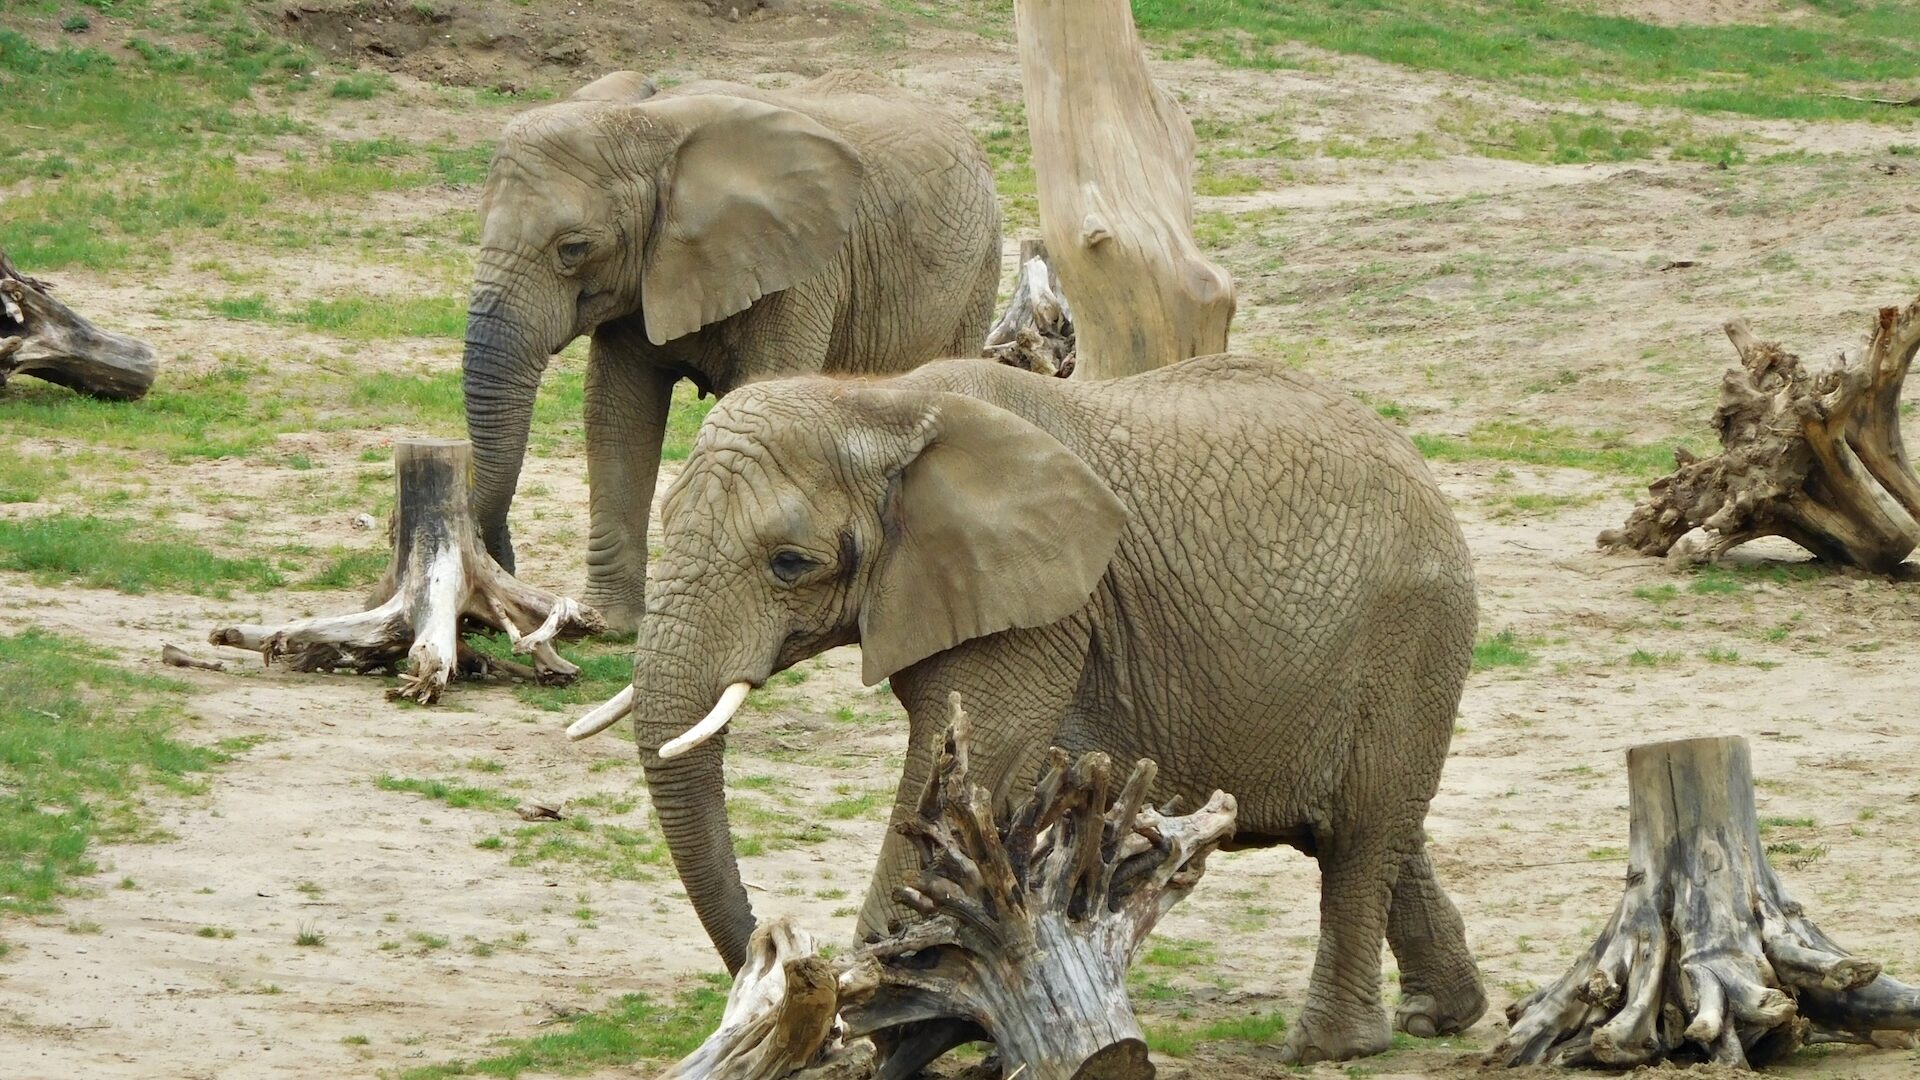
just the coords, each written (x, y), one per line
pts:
(1025, 927)
(440, 582)
(1035, 333)
(1707, 957)
(1817, 459)
(42, 337)
(1113, 166)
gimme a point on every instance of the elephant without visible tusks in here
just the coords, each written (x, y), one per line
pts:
(1222, 565)
(717, 233)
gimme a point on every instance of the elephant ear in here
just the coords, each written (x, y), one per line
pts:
(992, 525)
(616, 86)
(755, 199)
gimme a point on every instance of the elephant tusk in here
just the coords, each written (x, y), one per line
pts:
(603, 717)
(723, 711)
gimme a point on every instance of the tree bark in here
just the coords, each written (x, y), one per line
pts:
(1113, 164)
(42, 337)
(440, 582)
(1036, 331)
(1025, 927)
(1817, 459)
(1707, 956)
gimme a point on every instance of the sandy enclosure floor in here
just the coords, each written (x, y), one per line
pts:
(1455, 291)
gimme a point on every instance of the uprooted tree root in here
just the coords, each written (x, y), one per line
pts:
(1817, 459)
(1025, 926)
(1035, 333)
(1707, 957)
(42, 337)
(441, 582)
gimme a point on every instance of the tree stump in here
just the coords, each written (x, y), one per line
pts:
(1025, 927)
(441, 581)
(42, 337)
(1817, 459)
(1113, 166)
(1036, 331)
(1707, 957)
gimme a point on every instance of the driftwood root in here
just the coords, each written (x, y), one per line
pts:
(1024, 926)
(42, 337)
(441, 584)
(1817, 459)
(1707, 957)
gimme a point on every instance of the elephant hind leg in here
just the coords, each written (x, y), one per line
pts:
(1440, 988)
(1343, 1017)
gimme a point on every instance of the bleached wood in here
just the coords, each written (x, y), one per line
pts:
(1707, 957)
(1035, 333)
(1024, 931)
(1817, 459)
(440, 582)
(42, 337)
(1113, 165)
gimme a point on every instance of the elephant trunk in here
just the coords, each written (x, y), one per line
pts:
(672, 692)
(504, 359)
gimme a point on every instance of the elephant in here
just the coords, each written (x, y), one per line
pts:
(717, 233)
(1222, 565)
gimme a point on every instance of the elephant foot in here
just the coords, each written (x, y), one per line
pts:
(622, 612)
(1317, 1036)
(1423, 1017)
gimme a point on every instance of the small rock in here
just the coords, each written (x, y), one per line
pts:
(363, 521)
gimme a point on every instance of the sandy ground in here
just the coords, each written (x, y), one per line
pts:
(1462, 288)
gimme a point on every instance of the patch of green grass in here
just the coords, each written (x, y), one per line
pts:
(358, 318)
(1645, 659)
(309, 937)
(24, 479)
(1714, 581)
(360, 86)
(350, 570)
(632, 1029)
(79, 736)
(1776, 69)
(106, 553)
(1178, 1040)
(855, 806)
(1176, 952)
(1504, 649)
(1658, 595)
(454, 794)
(1558, 447)
(213, 932)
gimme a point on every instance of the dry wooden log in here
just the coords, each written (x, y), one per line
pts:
(174, 656)
(1817, 459)
(441, 582)
(1025, 926)
(1036, 331)
(1113, 167)
(42, 337)
(1707, 956)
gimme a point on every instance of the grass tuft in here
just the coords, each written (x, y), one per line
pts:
(632, 1029)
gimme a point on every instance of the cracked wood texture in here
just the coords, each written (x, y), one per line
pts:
(1707, 957)
(42, 337)
(440, 583)
(1815, 458)
(1113, 165)
(1023, 929)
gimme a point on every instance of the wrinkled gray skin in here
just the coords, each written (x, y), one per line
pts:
(716, 233)
(1221, 565)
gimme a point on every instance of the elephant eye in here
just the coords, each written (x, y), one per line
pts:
(790, 566)
(573, 251)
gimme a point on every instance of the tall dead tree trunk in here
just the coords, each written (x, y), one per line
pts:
(1026, 925)
(42, 337)
(440, 582)
(1707, 957)
(1817, 459)
(1113, 162)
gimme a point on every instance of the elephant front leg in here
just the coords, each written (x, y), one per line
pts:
(626, 419)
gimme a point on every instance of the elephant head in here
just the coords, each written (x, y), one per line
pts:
(681, 209)
(816, 512)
